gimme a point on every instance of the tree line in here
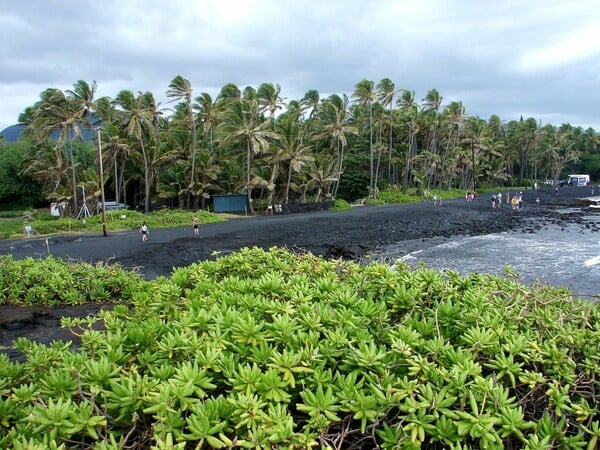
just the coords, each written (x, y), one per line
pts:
(253, 141)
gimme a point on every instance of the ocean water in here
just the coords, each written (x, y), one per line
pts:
(559, 256)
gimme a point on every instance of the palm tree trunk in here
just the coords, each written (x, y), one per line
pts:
(146, 178)
(287, 186)
(371, 185)
(116, 181)
(432, 174)
(409, 157)
(274, 172)
(390, 141)
(248, 188)
(73, 176)
(339, 171)
(194, 143)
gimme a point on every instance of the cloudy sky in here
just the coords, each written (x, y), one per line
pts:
(525, 58)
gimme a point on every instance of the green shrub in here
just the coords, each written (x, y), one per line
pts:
(274, 350)
(52, 281)
(341, 205)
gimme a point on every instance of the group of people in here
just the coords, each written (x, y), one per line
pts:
(516, 201)
(195, 227)
(496, 201)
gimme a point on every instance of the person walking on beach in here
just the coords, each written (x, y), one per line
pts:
(514, 202)
(144, 231)
(520, 202)
(196, 223)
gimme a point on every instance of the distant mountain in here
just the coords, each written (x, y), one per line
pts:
(13, 133)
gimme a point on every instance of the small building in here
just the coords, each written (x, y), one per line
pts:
(234, 203)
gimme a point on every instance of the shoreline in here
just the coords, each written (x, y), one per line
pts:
(354, 235)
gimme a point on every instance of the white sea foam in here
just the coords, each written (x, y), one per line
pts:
(592, 261)
(450, 245)
(561, 256)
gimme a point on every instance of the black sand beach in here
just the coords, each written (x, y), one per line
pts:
(350, 235)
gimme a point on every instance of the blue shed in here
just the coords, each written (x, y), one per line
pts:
(230, 203)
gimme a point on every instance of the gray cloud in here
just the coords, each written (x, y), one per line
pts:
(511, 58)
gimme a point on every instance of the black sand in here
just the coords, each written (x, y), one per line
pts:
(351, 235)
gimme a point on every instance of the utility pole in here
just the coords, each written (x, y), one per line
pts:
(102, 184)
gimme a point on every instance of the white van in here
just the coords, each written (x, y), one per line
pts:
(578, 180)
(112, 205)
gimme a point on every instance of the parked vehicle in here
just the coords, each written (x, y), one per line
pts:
(112, 206)
(578, 180)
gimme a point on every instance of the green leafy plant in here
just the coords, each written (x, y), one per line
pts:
(270, 349)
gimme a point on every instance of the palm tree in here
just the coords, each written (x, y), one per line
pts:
(310, 101)
(294, 151)
(335, 126)
(592, 141)
(453, 117)
(322, 175)
(478, 142)
(269, 99)
(208, 174)
(229, 92)
(526, 136)
(386, 90)
(83, 93)
(410, 111)
(138, 124)
(57, 112)
(294, 110)
(49, 166)
(502, 164)
(431, 106)
(242, 124)
(180, 88)
(116, 150)
(208, 113)
(379, 119)
(566, 151)
(364, 93)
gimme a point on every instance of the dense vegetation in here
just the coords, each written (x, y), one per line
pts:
(53, 281)
(275, 350)
(307, 149)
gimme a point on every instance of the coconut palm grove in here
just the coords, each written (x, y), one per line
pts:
(276, 348)
(253, 141)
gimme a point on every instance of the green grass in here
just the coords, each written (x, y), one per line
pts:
(44, 224)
